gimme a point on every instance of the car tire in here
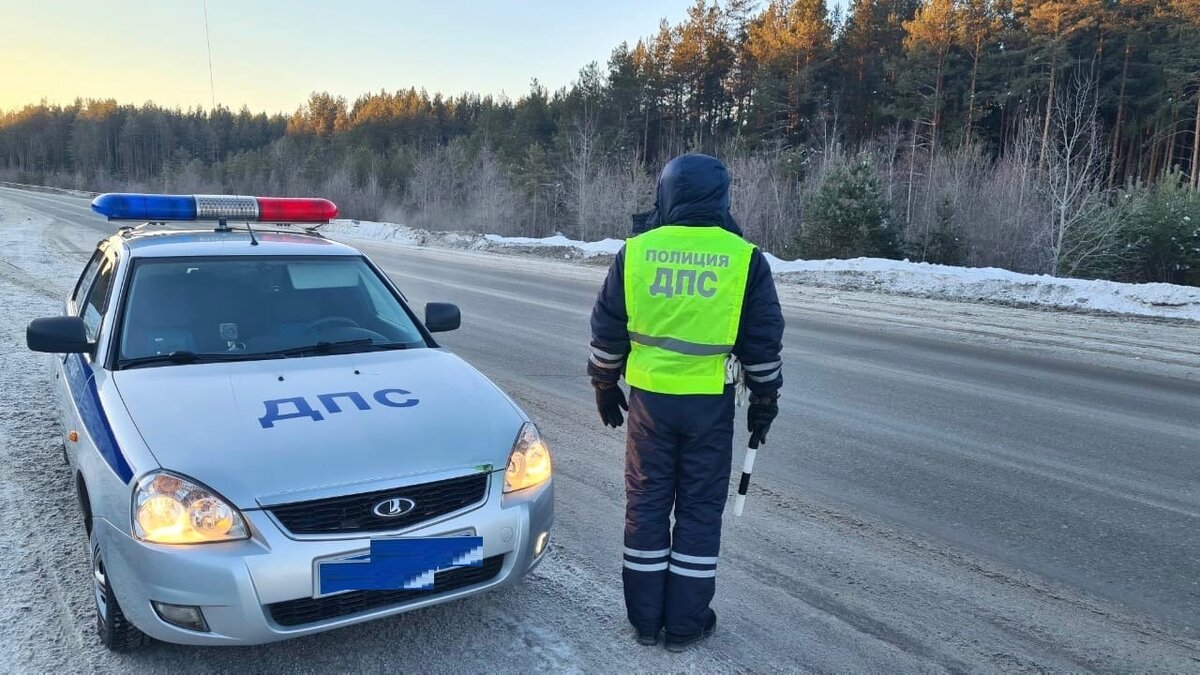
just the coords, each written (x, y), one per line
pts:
(115, 630)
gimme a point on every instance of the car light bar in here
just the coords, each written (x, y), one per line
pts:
(155, 208)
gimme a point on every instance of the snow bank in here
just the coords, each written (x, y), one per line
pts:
(400, 234)
(870, 274)
(989, 284)
(362, 229)
(588, 248)
(409, 236)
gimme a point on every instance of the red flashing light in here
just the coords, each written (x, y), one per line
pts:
(295, 210)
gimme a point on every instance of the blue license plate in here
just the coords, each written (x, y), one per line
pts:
(408, 563)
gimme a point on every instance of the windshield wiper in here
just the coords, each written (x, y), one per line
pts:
(356, 345)
(184, 357)
(322, 347)
(383, 346)
(179, 357)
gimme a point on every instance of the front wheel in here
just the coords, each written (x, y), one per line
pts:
(116, 632)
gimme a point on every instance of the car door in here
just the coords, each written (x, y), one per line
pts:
(89, 300)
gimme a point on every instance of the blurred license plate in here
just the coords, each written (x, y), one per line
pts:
(397, 563)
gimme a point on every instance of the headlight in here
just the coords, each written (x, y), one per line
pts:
(529, 462)
(169, 509)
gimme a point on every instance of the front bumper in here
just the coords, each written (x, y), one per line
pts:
(235, 584)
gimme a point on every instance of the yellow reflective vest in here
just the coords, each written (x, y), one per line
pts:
(684, 287)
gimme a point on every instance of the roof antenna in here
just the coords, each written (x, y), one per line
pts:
(253, 239)
(212, 90)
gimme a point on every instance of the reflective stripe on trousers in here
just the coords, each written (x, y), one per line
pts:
(646, 561)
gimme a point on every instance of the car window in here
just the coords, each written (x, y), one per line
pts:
(97, 300)
(381, 299)
(89, 275)
(257, 306)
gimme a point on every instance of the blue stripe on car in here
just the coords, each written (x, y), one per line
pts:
(87, 400)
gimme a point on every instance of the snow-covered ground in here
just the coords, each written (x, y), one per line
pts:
(866, 274)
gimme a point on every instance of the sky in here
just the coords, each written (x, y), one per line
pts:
(271, 54)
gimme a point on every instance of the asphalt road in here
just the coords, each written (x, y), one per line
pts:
(948, 486)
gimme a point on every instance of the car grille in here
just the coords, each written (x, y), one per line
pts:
(355, 513)
(310, 610)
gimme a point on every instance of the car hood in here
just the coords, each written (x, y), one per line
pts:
(258, 431)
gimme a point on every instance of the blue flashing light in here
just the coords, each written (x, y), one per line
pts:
(124, 206)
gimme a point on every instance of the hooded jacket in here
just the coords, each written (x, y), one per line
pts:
(693, 190)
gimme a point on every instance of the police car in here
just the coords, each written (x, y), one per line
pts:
(265, 440)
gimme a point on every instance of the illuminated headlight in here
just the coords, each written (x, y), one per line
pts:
(529, 461)
(170, 509)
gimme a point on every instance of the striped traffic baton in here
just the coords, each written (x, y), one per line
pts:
(739, 502)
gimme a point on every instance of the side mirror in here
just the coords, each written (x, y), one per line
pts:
(58, 335)
(441, 317)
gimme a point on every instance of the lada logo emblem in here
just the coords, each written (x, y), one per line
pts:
(396, 506)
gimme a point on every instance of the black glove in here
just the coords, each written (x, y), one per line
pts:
(759, 415)
(610, 401)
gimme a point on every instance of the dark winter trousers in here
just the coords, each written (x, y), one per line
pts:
(677, 457)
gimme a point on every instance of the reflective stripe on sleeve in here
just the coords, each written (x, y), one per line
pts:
(760, 367)
(604, 364)
(763, 378)
(601, 354)
(685, 572)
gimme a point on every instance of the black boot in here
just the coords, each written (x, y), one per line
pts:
(679, 643)
(647, 638)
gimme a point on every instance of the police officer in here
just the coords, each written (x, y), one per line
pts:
(684, 294)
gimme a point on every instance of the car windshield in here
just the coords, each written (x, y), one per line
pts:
(248, 307)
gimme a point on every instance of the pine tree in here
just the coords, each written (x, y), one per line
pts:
(869, 51)
(979, 22)
(1167, 232)
(790, 43)
(739, 15)
(930, 36)
(848, 216)
(943, 244)
(1054, 25)
(1159, 238)
(1179, 59)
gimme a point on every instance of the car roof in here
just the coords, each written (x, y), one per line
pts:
(192, 243)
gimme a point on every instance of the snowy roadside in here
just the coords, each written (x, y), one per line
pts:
(943, 282)
(50, 189)
(42, 547)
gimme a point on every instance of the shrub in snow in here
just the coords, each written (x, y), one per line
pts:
(849, 216)
(941, 244)
(1159, 235)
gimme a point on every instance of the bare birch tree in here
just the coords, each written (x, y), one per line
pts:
(1072, 179)
(581, 169)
